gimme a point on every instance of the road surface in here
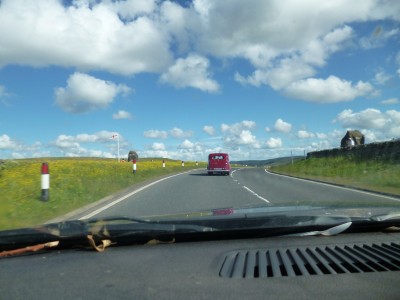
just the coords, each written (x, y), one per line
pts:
(196, 191)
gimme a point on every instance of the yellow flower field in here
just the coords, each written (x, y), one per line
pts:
(74, 182)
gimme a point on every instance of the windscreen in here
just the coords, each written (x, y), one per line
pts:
(185, 108)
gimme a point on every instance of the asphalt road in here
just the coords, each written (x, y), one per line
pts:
(195, 190)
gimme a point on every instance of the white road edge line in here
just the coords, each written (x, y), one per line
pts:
(255, 194)
(336, 186)
(103, 208)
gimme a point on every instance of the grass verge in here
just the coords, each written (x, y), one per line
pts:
(374, 175)
(74, 182)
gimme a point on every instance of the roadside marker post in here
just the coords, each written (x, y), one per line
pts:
(134, 166)
(45, 182)
(183, 163)
(163, 163)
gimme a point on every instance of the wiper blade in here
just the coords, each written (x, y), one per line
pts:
(101, 233)
(387, 217)
(125, 226)
(76, 232)
(328, 232)
(137, 230)
(116, 219)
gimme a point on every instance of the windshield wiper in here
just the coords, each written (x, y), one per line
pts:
(386, 217)
(118, 229)
(101, 233)
(327, 232)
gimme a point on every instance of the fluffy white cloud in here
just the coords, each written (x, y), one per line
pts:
(186, 144)
(17, 149)
(238, 127)
(367, 119)
(188, 150)
(84, 36)
(129, 10)
(299, 63)
(85, 138)
(240, 134)
(394, 116)
(179, 22)
(175, 132)
(321, 135)
(382, 78)
(245, 137)
(274, 143)
(66, 142)
(84, 93)
(122, 114)
(390, 101)
(158, 146)
(275, 25)
(6, 142)
(303, 134)
(71, 145)
(285, 72)
(282, 126)
(210, 130)
(330, 90)
(101, 136)
(179, 133)
(190, 72)
(375, 124)
(155, 134)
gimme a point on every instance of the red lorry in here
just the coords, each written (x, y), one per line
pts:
(218, 163)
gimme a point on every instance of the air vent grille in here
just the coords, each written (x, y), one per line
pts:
(306, 261)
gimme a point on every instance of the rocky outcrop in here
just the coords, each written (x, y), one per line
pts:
(132, 155)
(352, 138)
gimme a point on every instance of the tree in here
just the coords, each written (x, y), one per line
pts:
(132, 155)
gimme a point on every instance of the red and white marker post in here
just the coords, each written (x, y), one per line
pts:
(45, 182)
(134, 166)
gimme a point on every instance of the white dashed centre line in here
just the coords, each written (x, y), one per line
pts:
(255, 194)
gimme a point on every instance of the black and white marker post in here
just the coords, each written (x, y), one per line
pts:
(45, 182)
(134, 166)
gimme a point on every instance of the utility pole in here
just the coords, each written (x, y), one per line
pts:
(113, 137)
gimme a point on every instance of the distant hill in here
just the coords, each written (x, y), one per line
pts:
(268, 162)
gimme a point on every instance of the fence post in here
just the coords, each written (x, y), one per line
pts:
(134, 166)
(45, 182)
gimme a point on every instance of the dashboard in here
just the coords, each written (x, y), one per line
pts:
(346, 266)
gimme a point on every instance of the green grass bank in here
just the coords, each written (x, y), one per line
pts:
(375, 175)
(74, 182)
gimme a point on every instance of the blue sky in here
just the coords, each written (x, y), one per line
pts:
(256, 79)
